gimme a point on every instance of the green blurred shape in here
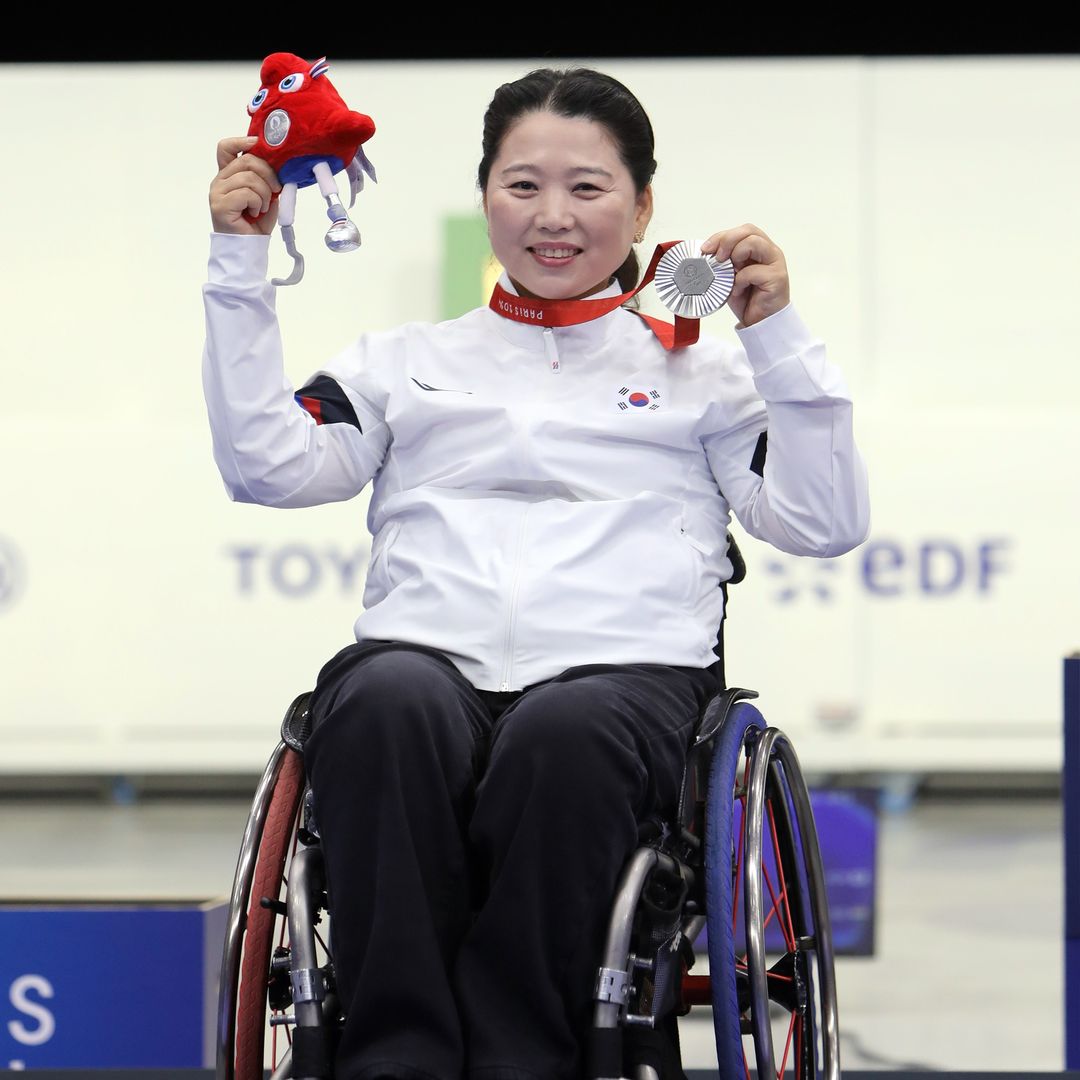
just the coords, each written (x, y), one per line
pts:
(469, 268)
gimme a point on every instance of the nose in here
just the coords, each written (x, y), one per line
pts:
(554, 211)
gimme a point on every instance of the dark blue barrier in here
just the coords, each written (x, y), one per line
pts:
(1070, 792)
(109, 985)
(846, 820)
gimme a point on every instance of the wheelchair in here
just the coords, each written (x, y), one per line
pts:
(740, 854)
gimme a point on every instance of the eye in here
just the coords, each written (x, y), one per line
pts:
(587, 188)
(257, 100)
(291, 83)
(523, 185)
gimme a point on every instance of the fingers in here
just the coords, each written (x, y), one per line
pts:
(751, 243)
(233, 160)
(761, 285)
(243, 189)
(229, 148)
(757, 277)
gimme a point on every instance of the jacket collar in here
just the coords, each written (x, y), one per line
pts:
(580, 336)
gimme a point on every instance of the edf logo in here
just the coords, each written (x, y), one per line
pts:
(932, 568)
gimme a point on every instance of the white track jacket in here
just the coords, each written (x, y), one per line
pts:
(542, 498)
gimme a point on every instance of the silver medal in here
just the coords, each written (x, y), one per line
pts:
(691, 284)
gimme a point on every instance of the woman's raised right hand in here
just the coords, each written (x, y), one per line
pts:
(241, 195)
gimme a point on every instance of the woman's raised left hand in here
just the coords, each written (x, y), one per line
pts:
(761, 278)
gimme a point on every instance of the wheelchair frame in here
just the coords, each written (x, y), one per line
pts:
(681, 878)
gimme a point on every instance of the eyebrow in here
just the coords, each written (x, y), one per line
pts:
(580, 170)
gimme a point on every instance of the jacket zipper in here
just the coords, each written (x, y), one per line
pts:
(551, 351)
(511, 617)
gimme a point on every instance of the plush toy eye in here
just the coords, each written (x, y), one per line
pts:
(257, 100)
(291, 83)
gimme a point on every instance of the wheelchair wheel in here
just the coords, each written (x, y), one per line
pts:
(765, 894)
(255, 917)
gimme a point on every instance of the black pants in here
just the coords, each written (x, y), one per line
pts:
(473, 843)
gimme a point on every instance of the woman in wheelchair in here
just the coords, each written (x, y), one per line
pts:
(552, 482)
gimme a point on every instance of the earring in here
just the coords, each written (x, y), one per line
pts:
(639, 236)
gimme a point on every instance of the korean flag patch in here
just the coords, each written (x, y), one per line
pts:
(637, 398)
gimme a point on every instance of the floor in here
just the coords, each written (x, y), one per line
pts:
(967, 973)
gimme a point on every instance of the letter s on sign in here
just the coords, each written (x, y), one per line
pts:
(46, 1023)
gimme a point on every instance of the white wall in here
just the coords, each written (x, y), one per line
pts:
(928, 212)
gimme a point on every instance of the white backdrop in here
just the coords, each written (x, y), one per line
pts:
(928, 212)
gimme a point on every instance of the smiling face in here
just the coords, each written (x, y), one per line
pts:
(561, 206)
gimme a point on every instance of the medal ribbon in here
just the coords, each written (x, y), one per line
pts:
(572, 312)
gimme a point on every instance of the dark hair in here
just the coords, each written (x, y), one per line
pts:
(576, 92)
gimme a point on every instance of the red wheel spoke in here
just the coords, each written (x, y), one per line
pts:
(787, 1044)
(790, 930)
(768, 918)
(780, 978)
(789, 936)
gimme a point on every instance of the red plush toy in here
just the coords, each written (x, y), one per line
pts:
(307, 133)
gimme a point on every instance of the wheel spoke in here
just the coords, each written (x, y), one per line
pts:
(789, 930)
(778, 903)
(787, 1044)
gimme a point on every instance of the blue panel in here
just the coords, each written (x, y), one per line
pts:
(1071, 807)
(1072, 997)
(847, 832)
(101, 987)
(846, 824)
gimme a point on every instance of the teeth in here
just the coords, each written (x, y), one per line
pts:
(555, 253)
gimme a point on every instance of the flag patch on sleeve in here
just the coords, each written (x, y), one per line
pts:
(325, 400)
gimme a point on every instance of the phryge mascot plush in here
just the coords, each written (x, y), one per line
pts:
(308, 134)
